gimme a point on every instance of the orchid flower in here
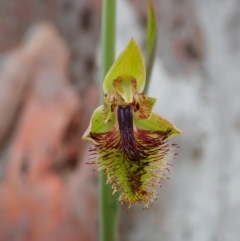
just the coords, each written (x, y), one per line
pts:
(131, 142)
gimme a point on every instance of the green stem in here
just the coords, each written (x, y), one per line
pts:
(108, 205)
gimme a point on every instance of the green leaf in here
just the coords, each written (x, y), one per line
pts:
(151, 42)
(98, 123)
(156, 123)
(128, 64)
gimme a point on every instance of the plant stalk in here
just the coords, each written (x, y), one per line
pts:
(108, 205)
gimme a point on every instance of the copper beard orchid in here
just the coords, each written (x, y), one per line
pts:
(130, 140)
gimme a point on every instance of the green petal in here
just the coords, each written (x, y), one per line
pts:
(155, 123)
(98, 124)
(145, 107)
(129, 63)
(106, 111)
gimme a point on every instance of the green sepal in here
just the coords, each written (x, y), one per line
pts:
(98, 124)
(156, 123)
(129, 63)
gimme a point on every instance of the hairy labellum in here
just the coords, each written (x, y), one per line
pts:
(134, 161)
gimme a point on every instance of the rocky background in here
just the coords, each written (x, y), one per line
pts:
(49, 74)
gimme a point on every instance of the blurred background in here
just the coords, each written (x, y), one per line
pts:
(49, 87)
